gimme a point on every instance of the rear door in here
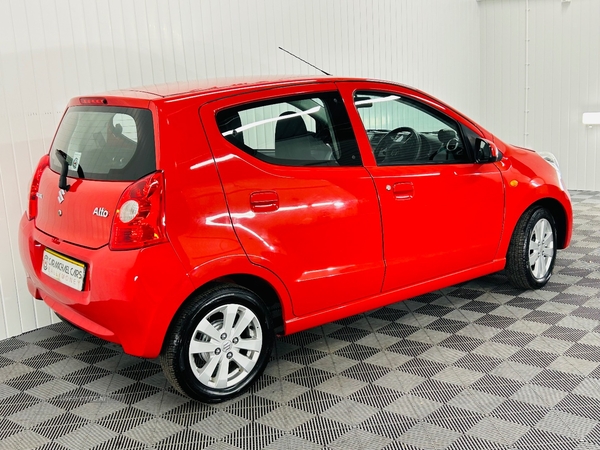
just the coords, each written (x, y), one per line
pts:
(106, 148)
(442, 212)
(301, 202)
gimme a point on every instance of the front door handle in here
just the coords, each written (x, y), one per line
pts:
(264, 201)
(404, 190)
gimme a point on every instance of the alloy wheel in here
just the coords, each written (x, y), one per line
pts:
(225, 346)
(541, 249)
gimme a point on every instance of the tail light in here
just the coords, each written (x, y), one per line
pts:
(140, 220)
(35, 186)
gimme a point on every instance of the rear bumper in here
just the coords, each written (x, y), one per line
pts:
(129, 297)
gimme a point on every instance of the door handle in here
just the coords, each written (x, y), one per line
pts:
(404, 190)
(264, 201)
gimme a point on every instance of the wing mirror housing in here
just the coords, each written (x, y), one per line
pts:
(486, 151)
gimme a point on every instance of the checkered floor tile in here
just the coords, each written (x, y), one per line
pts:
(476, 366)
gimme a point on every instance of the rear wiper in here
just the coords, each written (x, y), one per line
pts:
(64, 169)
(63, 158)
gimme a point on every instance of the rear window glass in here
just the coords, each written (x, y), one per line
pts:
(106, 143)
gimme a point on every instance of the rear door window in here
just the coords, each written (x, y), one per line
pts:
(106, 143)
(293, 131)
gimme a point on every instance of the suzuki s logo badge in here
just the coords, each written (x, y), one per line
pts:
(61, 195)
(101, 212)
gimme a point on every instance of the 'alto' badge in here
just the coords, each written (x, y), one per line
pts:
(101, 212)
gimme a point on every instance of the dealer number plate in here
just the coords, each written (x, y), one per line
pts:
(63, 269)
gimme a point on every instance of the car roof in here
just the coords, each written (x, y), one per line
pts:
(215, 85)
(182, 90)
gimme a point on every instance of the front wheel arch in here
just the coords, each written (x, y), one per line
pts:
(532, 250)
(561, 216)
(560, 219)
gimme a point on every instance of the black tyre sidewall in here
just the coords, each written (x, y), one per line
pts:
(537, 215)
(182, 337)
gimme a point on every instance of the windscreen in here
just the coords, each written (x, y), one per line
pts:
(105, 143)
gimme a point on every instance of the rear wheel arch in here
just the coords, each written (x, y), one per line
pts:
(262, 288)
(242, 292)
(265, 291)
(218, 342)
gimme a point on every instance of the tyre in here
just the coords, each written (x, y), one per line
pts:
(532, 251)
(218, 344)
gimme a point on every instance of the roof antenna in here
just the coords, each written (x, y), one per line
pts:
(312, 65)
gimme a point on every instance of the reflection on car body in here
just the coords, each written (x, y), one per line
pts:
(206, 220)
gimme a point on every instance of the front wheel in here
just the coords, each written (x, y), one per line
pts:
(532, 251)
(218, 345)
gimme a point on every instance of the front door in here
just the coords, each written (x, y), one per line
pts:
(442, 212)
(301, 202)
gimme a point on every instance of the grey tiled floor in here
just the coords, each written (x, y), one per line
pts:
(476, 366)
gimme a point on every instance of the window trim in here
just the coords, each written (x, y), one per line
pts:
(338, 123)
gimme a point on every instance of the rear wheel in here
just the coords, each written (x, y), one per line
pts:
(218, 344)
(532, 251)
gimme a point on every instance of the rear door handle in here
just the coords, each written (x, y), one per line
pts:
(264, 201)
(404, 190)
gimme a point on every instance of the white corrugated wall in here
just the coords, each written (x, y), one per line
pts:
(540, 71)
(51, 50)
(470, 54)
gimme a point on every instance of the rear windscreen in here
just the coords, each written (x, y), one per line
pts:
(105, 143)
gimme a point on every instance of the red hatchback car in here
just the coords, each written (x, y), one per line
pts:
(196, 222)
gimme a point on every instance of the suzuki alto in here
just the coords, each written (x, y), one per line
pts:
(195, 222)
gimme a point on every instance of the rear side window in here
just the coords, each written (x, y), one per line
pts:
(106, 143)
(293, 131)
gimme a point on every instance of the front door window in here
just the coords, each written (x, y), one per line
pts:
(403, 131)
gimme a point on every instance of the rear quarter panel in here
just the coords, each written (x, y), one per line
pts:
(197, 218)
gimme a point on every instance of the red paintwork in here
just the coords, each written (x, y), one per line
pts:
(312, 241)
(121, 301)
(425, 211)
(77, 224)
(330, 242)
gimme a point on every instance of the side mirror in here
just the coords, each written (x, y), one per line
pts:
(486, 151)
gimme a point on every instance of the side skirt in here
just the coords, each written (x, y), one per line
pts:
(296, 324)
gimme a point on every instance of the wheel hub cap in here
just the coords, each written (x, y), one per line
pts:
(225, 346)
(541, 249)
